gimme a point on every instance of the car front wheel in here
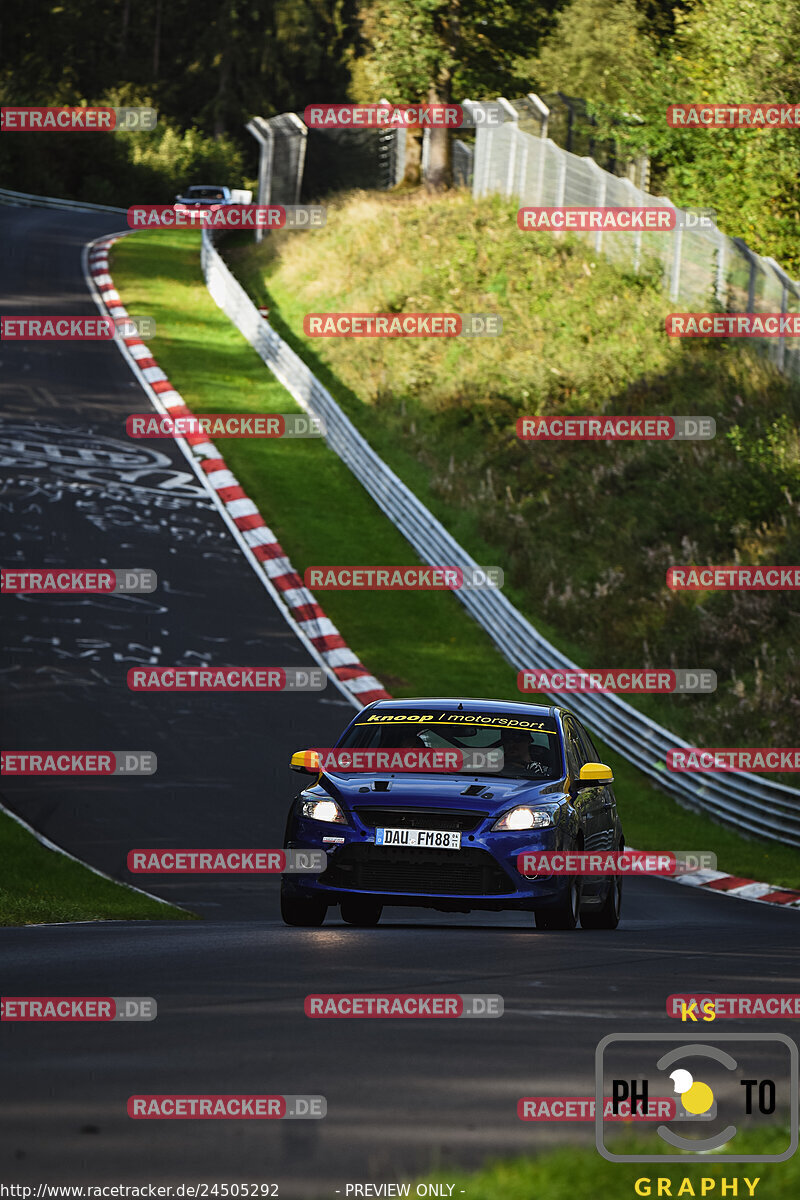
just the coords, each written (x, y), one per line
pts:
(563, 914)
(361, 912)
(304, 911)
(607, 916)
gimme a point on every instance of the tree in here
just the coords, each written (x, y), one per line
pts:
(439, 51)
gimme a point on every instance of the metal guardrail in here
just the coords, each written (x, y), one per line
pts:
(750, 804)
(25, 200)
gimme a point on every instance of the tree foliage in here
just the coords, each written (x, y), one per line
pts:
(720, 51)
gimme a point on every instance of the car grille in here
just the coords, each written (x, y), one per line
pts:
(420, 818)
(401, 870)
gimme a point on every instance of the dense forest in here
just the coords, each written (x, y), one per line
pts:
(208, 67)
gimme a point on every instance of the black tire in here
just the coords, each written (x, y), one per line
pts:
(563, 914)
(304, 911)
(361, 912)
(607, 916)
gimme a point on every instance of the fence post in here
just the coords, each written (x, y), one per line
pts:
(301, 157)
(722, 264)
(602, 184)
(262, 132)
(512, 157)
(636, 197)
(783, 279)
(675, 281)
(562, 176)
(543, 110)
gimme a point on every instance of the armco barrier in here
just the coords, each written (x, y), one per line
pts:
(751, 804)
(25, 200)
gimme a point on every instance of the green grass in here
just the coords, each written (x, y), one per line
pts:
(39, 885)
(582, 1174)
(584, 531)
(419, 643)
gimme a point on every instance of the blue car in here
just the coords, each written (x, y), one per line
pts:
(451, 841)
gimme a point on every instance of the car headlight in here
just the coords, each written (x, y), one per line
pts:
(323, 809)
(524, 818)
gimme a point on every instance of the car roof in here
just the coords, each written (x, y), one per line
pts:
(469, 704)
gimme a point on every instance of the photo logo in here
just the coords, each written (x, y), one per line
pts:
(711, 1096)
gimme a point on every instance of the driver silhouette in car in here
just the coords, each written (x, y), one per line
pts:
(521, 754)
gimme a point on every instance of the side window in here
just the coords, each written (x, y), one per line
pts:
(575, 757)
(587, 745)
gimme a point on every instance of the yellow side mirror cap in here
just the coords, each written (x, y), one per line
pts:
(306, 761)
(594, 772)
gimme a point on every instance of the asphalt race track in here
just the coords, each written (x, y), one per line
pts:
(402, 1095)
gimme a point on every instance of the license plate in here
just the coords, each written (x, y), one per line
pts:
(431, 839)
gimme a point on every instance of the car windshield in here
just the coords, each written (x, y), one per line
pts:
(204, 193)
(530, 745)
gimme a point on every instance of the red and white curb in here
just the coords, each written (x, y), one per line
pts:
(742, 889)
(266, 554)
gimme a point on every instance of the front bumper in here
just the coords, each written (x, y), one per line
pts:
(483, 874)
